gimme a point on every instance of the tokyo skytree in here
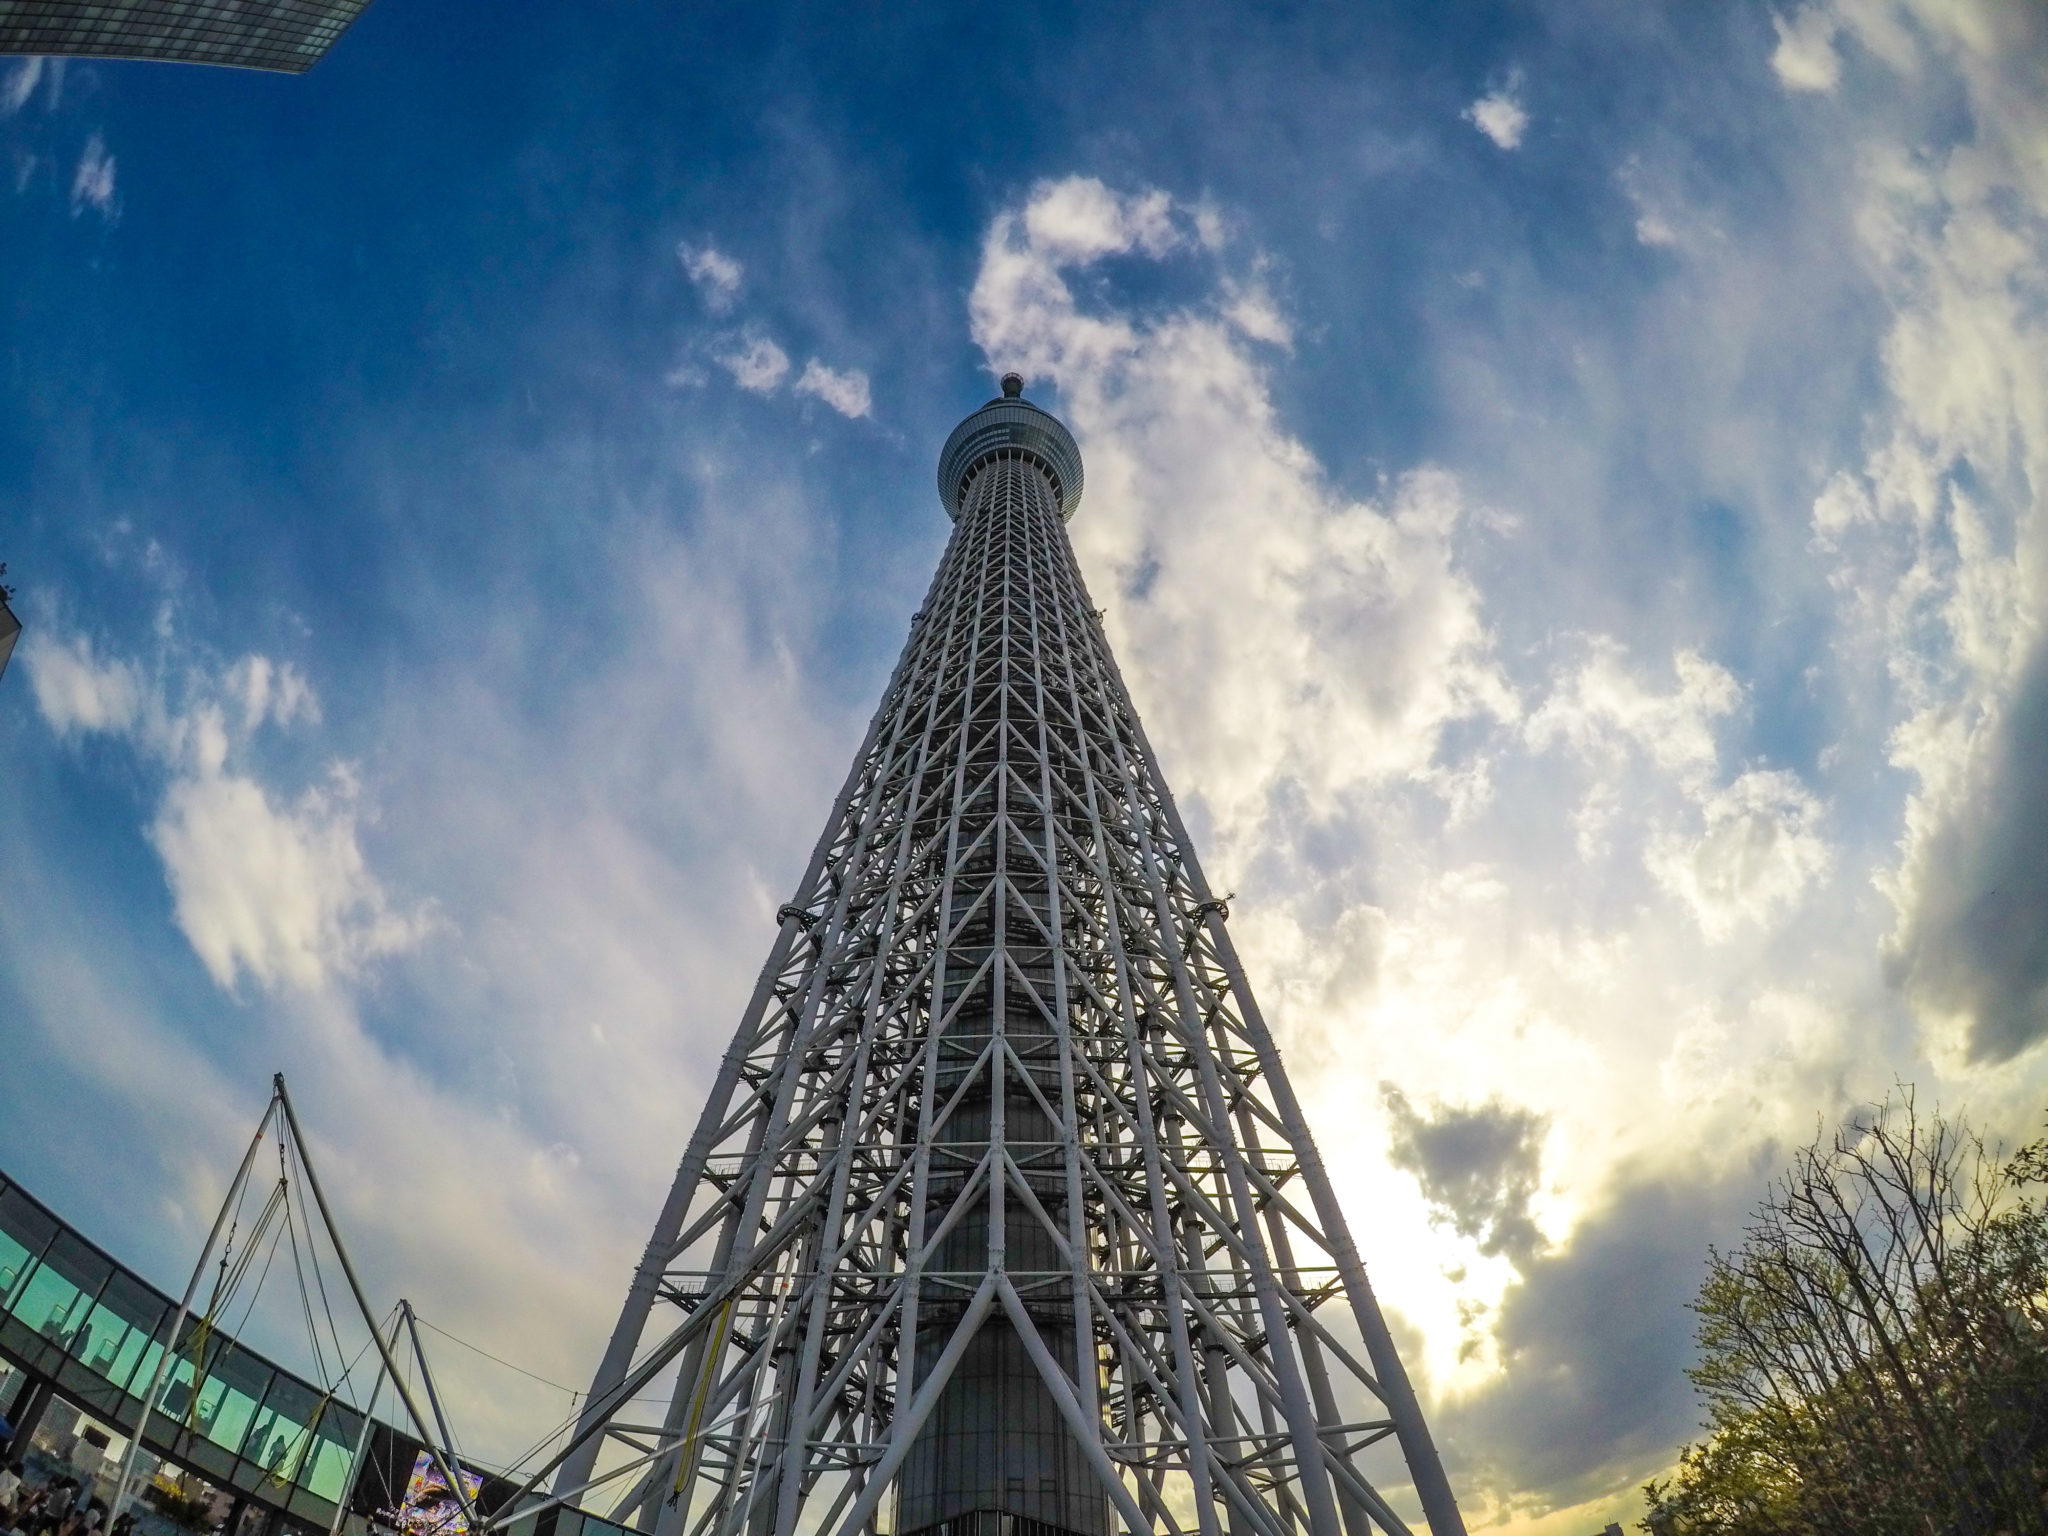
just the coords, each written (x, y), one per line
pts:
(1002, 1218)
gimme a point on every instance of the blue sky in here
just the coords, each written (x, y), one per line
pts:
(1563, 482)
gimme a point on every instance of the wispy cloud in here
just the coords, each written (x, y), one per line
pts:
(1805, 58)
(756, 363)
(1757, 850)
(19, 85)
(1501, 116)
(1577, 682)
(716, 275)
(92, 186)
(1933, 536)
(268, 886)
(846, 393)
(1660, 214)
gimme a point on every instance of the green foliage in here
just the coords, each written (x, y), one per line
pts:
(190, 1512)
(1874, 1356)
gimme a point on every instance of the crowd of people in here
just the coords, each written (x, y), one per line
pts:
(60, 1507)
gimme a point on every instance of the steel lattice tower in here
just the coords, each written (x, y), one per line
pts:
(1001, 1202)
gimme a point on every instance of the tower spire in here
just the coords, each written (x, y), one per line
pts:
(1002, 1218)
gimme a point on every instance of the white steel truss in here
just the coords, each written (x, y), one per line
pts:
(1002, 1109)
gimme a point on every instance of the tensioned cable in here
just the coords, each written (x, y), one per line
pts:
(258, 1288)
(234, 1271)
(576, 1392)
(561, 1426)
(228, 1281)
(306, 1298)
(312, 1255)
(552, 1435)
(319, 1275)
(427, 1376)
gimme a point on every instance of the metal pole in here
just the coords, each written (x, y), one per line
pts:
(419, 1353)
(355, 1286)
(151, 1398)
(355, 1465)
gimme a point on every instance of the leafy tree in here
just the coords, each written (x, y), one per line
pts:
(1874, 1356)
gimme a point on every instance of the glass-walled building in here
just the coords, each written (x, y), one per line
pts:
(10, 631)
(285, 35)
(80, 1338)
(78, 1328)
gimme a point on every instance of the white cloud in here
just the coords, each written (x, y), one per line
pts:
(1805, 58)
(76, 691)
(1734, 854)
(277, 891)
(1321, 671)
(1603, 703)
(1289, 636)
(19, 85)
(281, 893)
(756, 364)
(1500, 117)
(716, 275)
(605, 859)
(1651, 229)
(1391, 785)
(269, 690)
(846, 393)
(1936, 537)
(1252, 309)
(1755, 855)
(93, 184)
(1660, 213)
(1078, 219)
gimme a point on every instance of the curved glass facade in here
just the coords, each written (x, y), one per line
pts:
(288, 36)
(72, 1316)
(1010, 427)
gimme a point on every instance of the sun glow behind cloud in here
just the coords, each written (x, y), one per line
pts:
(1322, 675)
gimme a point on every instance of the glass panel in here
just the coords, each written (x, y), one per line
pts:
(126, 1358)
(108, 1335)
(25, 1231)
(236, 1384)
(279, 1439)
(83, 1272)
(327, 1468)
(177, 1399)
(144, 1311)
(48, 1302)
(145, 1369)
(15, 1259)
(79, 1262)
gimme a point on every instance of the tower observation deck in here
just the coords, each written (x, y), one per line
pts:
(1002, 1218)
